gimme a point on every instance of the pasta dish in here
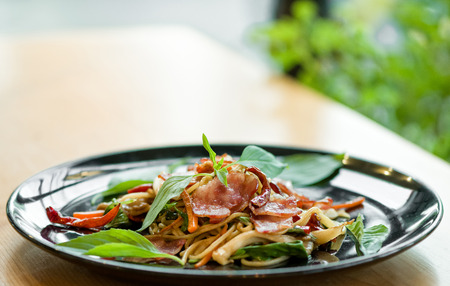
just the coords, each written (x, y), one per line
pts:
(221, 210)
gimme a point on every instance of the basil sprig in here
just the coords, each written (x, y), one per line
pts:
(367, 240)
(252, 156)
(220, 171)
(116, 243)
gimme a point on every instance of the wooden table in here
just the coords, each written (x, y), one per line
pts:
(71, 95)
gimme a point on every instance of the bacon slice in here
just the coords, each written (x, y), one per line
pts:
(170, 247)
(302, 201)
(281, 207)
(216, 201)
(264, 197)
(271, 224)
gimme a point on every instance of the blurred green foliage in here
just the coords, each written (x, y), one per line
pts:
(391, 64)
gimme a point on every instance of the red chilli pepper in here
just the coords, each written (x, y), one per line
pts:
(305, 228)
(140, 189)
(96, 222)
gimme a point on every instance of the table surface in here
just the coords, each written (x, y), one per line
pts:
(71, 95)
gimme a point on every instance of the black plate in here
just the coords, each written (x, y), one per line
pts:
(407, 207)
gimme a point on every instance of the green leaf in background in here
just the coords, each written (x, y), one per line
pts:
(260, 158)
(382, 58)
(171, 188)
(118, 189)
(308, 169)
(272, 250)
(367, 240)
(117, 243)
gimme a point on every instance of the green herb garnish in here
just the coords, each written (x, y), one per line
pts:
(367, 240)
(171, 188)
(116, 243)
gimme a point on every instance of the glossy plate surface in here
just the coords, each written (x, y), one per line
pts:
(407, 207)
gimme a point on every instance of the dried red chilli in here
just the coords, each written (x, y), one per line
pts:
(96, 222)
(140, 189)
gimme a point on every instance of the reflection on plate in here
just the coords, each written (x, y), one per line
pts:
(407, 207)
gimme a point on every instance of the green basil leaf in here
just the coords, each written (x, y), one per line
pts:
(126, 250)
(171, 188)
(272, 250)
(89, 241)
(121, 220)
(310, 169)
(116, 243)
(118, 189)
(220, 172)
(222, 175)
(212, 154)
(260, 158)
(367, 240)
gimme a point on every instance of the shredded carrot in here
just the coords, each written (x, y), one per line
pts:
(204, 260)
(179, 220)
(91, 214)
(350, 204)
(192, 218)
(208, 256)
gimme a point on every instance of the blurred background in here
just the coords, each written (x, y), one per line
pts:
(387, 59)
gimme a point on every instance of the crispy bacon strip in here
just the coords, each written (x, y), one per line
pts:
(216, 201)
(271, 224)
(284, 207)
(264, 197)
(302, 201)
(95, 222)
(275, 188)
(170, 247)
